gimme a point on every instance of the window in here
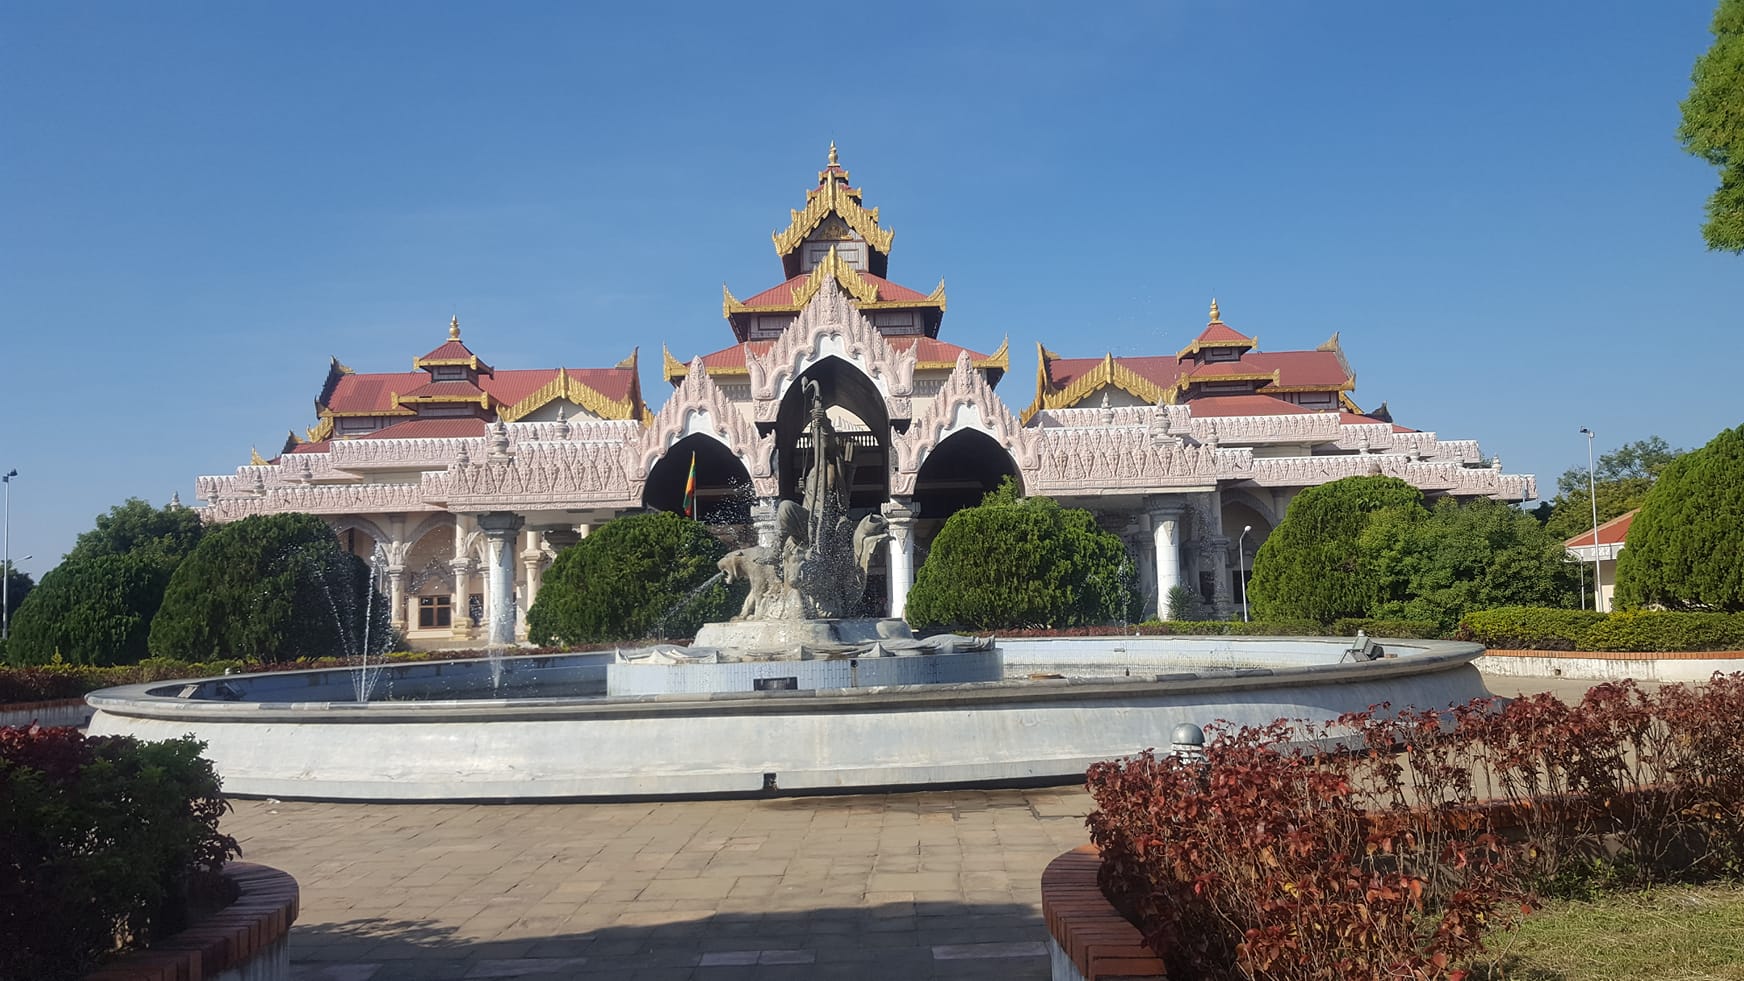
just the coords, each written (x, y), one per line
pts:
(434, 611)
(453, 373)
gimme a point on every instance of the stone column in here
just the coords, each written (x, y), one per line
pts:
(763, 519)
(397, 597)
(500, 528)
(1166, 539)
(460, 621)
(899, 579)
(1136, 536)
(1215, 551)
(533, 561)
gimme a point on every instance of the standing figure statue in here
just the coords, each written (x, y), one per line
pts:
(821, 557)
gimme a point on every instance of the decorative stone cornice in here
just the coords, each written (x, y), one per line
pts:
(965, 401)
(698, 405)
(828, 326)
(539, 476)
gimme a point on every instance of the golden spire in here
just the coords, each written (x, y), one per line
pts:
(1216, 318)
(833, 162)
(454, 328)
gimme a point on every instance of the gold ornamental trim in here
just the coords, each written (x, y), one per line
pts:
(1350, 405)
(568, 387)
(1000, 359)
(1108, 373)
(322, 430)
(833, 197)
(862, 291)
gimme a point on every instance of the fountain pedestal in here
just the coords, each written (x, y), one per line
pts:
(790, 635)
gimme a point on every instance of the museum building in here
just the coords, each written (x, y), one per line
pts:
(464, 480)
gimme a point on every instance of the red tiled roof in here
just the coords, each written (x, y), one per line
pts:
(449, 351)
(1220, 332)
(512, 385)
(320, 446)
(1244, 405)
(1299, 368)
(1157, 370)
(430, 429)
(369, 393)
(1611, 532)
(782, 294)
(445, 389)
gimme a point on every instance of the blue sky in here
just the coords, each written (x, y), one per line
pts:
(199, 203)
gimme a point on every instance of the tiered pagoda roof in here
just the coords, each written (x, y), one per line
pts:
(451, 392)
(1221, 372)
(834, 237)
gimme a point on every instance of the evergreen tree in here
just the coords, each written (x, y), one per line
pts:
(639, 576)
(275, 587)
(96, 610)
(1021, 562)
(1686, 548)
(134, 526)
(1713, 125)
(1313, 566)
(1622, 478)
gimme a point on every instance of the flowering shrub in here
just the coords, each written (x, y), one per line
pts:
(104, 842)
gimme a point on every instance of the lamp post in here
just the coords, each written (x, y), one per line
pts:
(1241, 567)
(6, 580)
(1593, 493)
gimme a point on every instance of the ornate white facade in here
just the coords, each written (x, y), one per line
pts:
(469, 512)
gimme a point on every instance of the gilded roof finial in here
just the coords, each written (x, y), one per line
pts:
(454, 328)
(833, 162)
(1216, 317)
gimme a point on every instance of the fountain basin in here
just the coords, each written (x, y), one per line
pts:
(542, 735)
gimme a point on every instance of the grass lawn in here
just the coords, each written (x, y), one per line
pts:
(1690, 933)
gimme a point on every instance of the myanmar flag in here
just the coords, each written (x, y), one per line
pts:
(690, 490)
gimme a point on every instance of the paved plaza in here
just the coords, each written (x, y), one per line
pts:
(939, 884)
(935, 884)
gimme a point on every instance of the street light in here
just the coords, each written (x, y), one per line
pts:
(1593, 492)
(6, 580)
(1241, 567)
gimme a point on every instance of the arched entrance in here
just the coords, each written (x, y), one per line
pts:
(957, 474)
(856, 409)
(723, 485)
(1238, 514)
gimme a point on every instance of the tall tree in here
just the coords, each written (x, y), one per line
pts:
(1713, 125)
(135, 525)
(1686, 548)
(1462, 556)
(95, 610)
(1622, 478)
(18, 586)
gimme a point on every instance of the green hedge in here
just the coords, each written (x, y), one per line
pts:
(104, 841)
(1646, 631)
(1404, 629)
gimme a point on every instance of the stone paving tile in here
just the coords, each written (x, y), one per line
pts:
(943, 884)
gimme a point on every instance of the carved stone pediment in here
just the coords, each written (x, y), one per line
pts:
(829, 326)
(699, 406)
(965, 401)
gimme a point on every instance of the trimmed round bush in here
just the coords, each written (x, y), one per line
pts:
(636, 577)
(273, 587)
(1021, 562)
(1312, 566)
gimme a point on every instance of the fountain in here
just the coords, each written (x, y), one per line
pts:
(794, 694)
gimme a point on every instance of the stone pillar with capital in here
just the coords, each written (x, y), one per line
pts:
(460, 622)
(1214, 552)
(397, 597)
(899, 516)
(533, 564)
(1166, 540)
(500, 529)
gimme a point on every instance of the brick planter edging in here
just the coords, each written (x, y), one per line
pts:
(1100, 942)
(261, 917)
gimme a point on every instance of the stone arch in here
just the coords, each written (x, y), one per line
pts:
(699, 408)
(723, 484)
(845, 388)
(346, 527)
(959, 471)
